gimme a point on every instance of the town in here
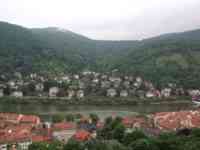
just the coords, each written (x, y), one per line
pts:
(20, 131)
(88, 83)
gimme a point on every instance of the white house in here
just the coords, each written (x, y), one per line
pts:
(17, 94)
(53, 91)
(124, 93)
(39, 87)
(150, 94)
(80, 94)
(70, 93)
(166, 92)
(111, 92)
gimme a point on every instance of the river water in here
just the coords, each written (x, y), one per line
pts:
(47, 110)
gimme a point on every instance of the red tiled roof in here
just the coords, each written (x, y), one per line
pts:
(40, 138)
(19, 118)
(134, 121)
(177, 120)
(64, 126)
(10, 116)
(30, 119)
(82, 135)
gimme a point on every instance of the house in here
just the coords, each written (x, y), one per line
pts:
(81, 85)
(33, 75)
(95, 80)
(11, 84)
(66, 79)
(39, 87)
(126, 84)
(166, 92)
(140, 94)
(194, 92)
(80, 94)
(86, 72)
(17, 94)
(70, 94)
(150, 94)
(123, 93)
(76, 76)
(114, 79)
(111, 92)
(63, 131)
(53, 91)
(138, 79)
(30, 119)
(11, 118)
(134, 122)
(105, 84)
(1, 92)
(137, 84)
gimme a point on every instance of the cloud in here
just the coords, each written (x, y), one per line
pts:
(106, 19)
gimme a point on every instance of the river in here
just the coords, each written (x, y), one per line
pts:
(47, 110)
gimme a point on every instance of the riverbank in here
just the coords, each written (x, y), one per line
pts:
(94, 100)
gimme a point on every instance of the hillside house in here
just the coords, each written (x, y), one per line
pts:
(126, 84)
(80, 94)
(17, 94)
(111, 92)
(194, 92)
(166, 92)
(39, 87)
(70, 94)
(105, 84)
(66, 79)
(53, 91)
(124, 93)
(150, 94)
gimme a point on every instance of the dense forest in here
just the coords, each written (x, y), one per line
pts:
(166, 58)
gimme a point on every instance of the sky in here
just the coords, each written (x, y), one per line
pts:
(105, 19)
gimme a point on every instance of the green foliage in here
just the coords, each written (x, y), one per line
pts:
(94, 118)
(58, 118)
(163, 59)
(113, 129)
(133, 136)
(143, 144)
(38, 146)
(70, 117)
(73, 145)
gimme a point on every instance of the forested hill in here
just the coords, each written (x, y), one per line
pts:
(167, 58)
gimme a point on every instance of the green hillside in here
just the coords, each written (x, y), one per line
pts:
(167, 58)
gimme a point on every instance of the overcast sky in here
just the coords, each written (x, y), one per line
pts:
(105, 19)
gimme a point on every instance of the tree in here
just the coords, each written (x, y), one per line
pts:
(133, 136)
(119, 132)
(73, 145)
(57, 118)
(70, 117)
(55, 145)
(143, 144)
(191, 145)
(38, 146)
(94, 118)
